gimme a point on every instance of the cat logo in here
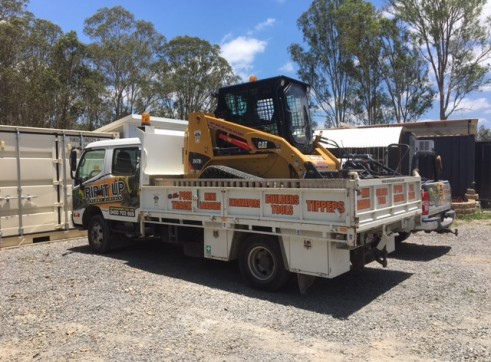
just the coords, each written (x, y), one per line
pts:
(262, 144)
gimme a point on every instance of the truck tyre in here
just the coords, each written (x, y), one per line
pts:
(261, 263)
(99, 234)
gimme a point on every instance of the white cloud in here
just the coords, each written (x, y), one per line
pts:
(484, 122)
(265, 24)
(475, 105)
(241, 53)
(287, 68)
(486, 12)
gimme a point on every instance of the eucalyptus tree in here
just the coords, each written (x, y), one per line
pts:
(483, 133)
(360, 29)
(79, 87)
(405, 73)
(125, 51)
(454, 40)
(27, 78)
(323, 62)
(10, 9)
(192, 71)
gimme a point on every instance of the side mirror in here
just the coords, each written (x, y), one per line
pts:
(73, 162)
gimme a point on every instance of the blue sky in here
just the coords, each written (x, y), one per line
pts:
(254, 35)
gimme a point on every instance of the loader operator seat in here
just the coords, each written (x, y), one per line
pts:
(123, 165)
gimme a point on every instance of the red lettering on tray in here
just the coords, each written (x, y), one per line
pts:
(282, 199)
(325, 206)
(182, 205)
(252, 203)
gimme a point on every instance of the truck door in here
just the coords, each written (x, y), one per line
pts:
(108, 179)
(125, 188)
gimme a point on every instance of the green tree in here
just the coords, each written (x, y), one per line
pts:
(12, 38)
(484, 133)
(450, 37)
(126, 52)
(360, 29)
(46, 77)
(76, 81)
(27, 78)
(10, 9)
(405, 73)
(192, 72)
(324, 64)
(37, 68)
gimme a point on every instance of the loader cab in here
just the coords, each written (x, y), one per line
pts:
(276, 105)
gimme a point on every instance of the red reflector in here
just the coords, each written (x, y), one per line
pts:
(425, 197)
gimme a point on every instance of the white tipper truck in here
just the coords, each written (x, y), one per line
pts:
(136, 188)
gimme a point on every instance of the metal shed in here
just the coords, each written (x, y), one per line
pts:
(483, 172)
(454, 140)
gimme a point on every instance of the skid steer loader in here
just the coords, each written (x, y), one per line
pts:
(260, 129)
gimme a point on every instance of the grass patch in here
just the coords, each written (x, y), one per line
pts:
(478, 216)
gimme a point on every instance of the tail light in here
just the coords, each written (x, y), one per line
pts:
(425, 197)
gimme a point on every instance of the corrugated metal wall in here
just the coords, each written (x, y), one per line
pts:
(458, 154)
(483, 172)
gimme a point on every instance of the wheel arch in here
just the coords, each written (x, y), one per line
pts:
(242, 233)
(88, 214)
(262, 261)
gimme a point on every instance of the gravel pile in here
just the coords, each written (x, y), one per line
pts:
(147, 301)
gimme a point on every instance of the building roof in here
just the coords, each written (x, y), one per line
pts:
(461, 127)
(362, 137)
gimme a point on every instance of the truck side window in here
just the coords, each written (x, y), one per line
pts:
(125, 161)
(91, 165)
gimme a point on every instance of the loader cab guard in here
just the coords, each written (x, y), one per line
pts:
(276, 105)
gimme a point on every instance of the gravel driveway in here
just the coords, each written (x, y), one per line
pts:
(147, 301)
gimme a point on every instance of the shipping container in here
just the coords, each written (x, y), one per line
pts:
(35, 182)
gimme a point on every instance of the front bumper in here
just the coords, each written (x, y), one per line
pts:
(437, 223)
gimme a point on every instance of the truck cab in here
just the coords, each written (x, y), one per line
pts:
(106, 186)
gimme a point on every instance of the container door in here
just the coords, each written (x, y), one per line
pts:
(28, 190)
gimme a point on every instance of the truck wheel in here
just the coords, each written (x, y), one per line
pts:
(99, 234)
(261, 263)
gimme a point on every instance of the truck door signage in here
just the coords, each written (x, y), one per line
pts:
(105, 192)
